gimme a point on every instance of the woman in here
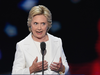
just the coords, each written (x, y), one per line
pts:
(28, 58)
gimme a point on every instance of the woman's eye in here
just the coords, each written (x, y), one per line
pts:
(43, 23)
(35, 23)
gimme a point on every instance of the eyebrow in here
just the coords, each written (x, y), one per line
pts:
(38, 22)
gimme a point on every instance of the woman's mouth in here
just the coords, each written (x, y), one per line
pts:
(39, 32)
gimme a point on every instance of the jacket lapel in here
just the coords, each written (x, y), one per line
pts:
(54, 47)
(31, 48)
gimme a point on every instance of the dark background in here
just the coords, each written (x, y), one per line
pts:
(78, 29)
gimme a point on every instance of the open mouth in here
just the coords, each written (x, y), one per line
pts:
(39, 32)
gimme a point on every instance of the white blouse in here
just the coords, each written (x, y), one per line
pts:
(47, 55)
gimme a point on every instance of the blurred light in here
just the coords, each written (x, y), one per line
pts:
(56, 26)
(27, 4)
(0, 55)
(10, 30)
(75, 1)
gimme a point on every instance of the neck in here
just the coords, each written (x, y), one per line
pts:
(43, 39)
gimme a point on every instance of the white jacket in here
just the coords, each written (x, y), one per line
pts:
(26, 52)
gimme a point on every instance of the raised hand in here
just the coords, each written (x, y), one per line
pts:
(37, 66)
(57, 66)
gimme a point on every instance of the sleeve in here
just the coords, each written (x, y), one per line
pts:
(64, 60)
(19, 62)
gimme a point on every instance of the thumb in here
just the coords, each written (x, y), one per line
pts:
(60, 60)
(36, 59)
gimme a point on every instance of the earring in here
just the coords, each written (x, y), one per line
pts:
(47, 29)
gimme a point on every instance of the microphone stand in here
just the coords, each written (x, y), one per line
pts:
(42, 62)
(43, 46)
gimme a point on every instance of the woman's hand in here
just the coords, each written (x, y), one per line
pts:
(37, 66)
(57, 66)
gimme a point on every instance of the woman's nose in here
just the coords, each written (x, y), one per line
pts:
(39, 26)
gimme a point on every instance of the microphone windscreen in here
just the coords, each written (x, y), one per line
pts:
(43, 46)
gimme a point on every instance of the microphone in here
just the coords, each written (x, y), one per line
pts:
(43, 46)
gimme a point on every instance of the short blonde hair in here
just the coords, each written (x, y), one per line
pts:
(39, 10)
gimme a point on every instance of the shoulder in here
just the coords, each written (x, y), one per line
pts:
(54, 37)
(25, 40)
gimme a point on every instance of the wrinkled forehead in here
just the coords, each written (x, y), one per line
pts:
(39, 18)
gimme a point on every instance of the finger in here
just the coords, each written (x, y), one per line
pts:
(36, 59)
(38, 67)
(55, 63)
(53, 68)
(60, 60)
(45, 62)
(45, 66)
(41, 62)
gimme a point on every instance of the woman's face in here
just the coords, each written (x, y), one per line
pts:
(39, 26)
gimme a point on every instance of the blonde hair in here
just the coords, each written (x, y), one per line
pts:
(39, 10)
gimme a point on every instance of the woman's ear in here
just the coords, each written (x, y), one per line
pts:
(47, 29)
